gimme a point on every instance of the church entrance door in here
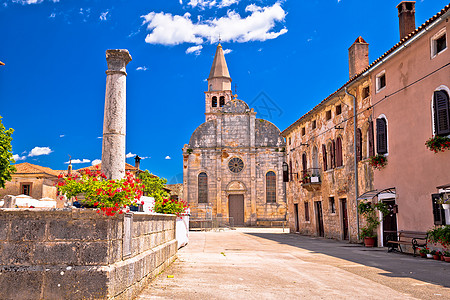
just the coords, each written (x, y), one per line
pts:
(236, 209)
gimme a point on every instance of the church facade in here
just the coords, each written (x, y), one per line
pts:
(232, 166)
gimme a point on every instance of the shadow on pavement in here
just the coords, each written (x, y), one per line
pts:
(394, 264)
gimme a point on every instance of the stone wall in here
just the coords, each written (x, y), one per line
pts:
(80, 254)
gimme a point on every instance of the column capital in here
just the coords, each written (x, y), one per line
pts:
(117, 60)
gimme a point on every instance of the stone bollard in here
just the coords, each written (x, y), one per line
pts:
(9, 201)
(113, 150)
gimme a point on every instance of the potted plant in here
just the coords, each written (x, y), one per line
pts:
(444, 200)
(306, 178)
(440, 235)
(446, 256)
(378, 161)
(368, 209)
(438, 143)
(423, 252)
(436, 255)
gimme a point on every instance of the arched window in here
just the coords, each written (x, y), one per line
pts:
(271, 187)
(441, 113)
(202, 188)
(222, 101)
(324, 156)
(315, 161)
(358, 145)
(304, 164)
(214, 101)
(331, 155)
(338, 152)
(382, 143)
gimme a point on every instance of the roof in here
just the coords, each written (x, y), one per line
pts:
(372, 194)
(27, 168)
(360, 74)
(219, 67)
(128, 167)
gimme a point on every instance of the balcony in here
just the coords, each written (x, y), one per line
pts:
(311, 179)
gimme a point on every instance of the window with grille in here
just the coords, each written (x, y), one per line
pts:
(271, 187)
(202, 188)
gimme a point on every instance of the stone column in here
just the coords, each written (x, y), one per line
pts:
(113, 150)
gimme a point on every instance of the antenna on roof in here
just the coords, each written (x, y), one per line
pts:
(235, 88)
(219, 39)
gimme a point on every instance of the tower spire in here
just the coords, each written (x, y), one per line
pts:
(219, 78)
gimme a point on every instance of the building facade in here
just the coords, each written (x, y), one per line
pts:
(232, 166)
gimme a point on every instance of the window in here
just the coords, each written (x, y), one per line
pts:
(366, 92)
(441, 113)
(290, 140)
(313, 125)
(438, 43)
(382, 136)
(290, 170)
(438, 211)
(236, 165)
(358, 145)
(332, 205)
(25, 189)
(338, 152)
(202, 188)
(304, 164)
(381, 81)
(303, 131)
(306, 211)
(328, 115)
(324, 156)
(222, 101)
(271, 187)
(331, 155)
(370, 140)
(338, 109)
(214, 101)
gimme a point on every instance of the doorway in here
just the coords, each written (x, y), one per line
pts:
(297, 227)
(236, 209)
(319, 219)
(344, 219)
(390, 221)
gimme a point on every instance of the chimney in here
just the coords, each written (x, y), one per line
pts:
(406, 17)
(137, 162)
(358, 56)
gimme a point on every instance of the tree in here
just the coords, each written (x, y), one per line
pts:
(154, 186)
(6, 156)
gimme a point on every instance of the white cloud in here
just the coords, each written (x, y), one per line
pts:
(168, 157)
(145, 157)
(62, 135)
(79, 161)
(226, 51)
(96, 162)
(143, 68)
(17, 157)
(104, 15)
(99, 137)
(168, 29)
(24, 2)
(194, 49)
(202, 4)
(130, 155)
(52, 15)
(37, 151)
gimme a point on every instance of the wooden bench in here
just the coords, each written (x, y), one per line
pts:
(414, 238)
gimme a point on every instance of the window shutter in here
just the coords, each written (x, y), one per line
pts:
(381, 136)
(338, 152)
(438, 212)
(441, 113)
(371, 148)
(333, 154)
(324, 155)
(358, 145)
(304, 163)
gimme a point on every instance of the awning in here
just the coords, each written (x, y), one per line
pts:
(371, 194)
(444, 187)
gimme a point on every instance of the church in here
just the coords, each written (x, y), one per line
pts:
(232, 166)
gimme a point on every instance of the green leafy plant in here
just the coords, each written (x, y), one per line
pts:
(368, 209)
(424, 250)
(6, 156)
(170, 206)
(378, 161)
(434, 252)
(440, 235)
(153, 185)
(189, 151)
(446, 253)
(109, 196)
(438, 143)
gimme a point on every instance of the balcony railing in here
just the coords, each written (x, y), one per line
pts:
(311, 179)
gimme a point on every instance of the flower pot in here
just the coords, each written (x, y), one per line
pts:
(436, 257)
(446, 206)
(369, 241)
(447, 258)
(423, 255)
(429, 255)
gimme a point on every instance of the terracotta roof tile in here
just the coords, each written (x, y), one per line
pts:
(27, 168)
(396, 46)
(128, 167)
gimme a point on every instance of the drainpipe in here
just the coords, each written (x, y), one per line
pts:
(355, 161)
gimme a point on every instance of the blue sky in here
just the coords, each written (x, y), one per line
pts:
(284, 57)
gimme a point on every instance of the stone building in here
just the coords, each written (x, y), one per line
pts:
(233, 162)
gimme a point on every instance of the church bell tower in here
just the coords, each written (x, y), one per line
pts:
(219, 86)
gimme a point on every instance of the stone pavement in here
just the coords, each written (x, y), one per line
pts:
(254, 263)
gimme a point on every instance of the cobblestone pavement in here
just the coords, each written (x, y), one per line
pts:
(250, 263)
